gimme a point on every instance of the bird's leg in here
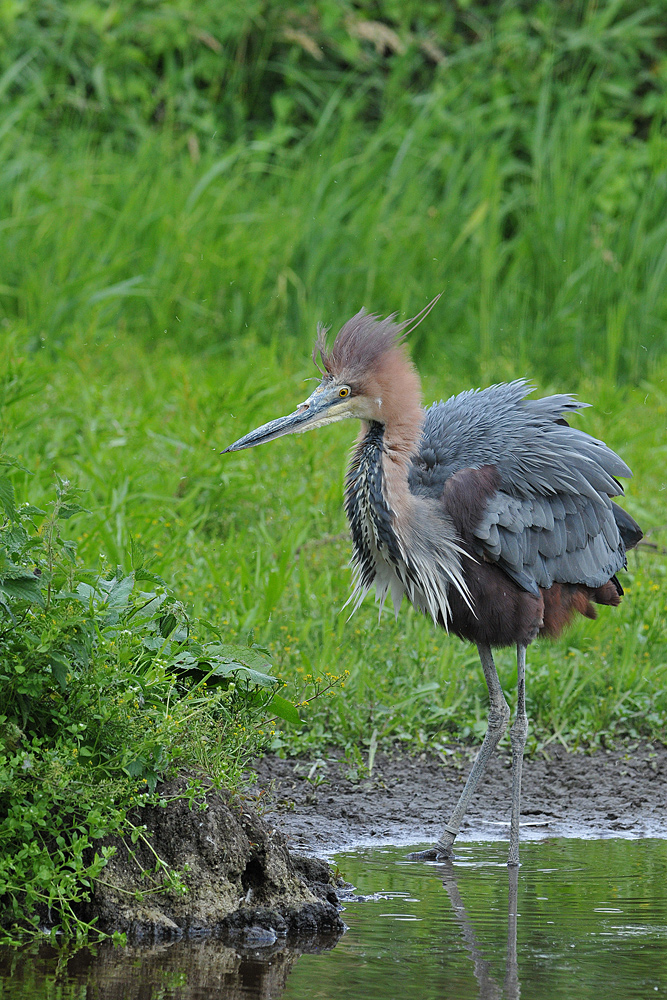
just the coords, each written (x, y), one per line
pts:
(518, 737)
(499, 714)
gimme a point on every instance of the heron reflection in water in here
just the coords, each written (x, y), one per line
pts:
(489, 988)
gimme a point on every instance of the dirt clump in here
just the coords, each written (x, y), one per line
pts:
(239, 881)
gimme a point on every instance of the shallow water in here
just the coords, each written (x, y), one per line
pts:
(580, 918)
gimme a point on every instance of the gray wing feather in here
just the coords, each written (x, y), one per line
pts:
(510, 551)
(539, 514)
(575, 532)
(557, 507)
(551, 519)
(590, 519)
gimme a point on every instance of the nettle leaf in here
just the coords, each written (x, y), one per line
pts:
(153, 643)
(145, 612)
(185, 661)
(119, 594)
(8, 462)
(135, 768)
(24, 589)
(59, 668)
(145, 574)
(10, 571)
(19, 536)
(17, 540)
(221, 667)
(68, 510)
(112, 594)
(169, 626)
(86, 592)
(239, 654)
(7, 498)
(97, 593)
(29, 510)
(70, 548)
(239, 671)
(4, 603)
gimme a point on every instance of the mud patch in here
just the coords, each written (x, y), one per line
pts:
(321, 806)
(242, 882)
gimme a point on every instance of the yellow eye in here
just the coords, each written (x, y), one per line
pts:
(343, 391)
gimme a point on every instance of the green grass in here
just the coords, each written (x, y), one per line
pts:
(530, 201)
(156, 308)
(258, 540)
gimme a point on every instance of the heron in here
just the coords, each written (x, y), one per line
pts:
(488, 512)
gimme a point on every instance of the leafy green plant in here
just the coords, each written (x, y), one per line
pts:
(106, 689)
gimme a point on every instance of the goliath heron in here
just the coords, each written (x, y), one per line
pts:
(488, 512)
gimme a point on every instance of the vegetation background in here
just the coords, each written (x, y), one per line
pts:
(185, 190)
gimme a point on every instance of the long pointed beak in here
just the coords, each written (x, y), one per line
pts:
(274, 429)
(323, 407)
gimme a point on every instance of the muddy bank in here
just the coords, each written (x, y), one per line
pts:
(321, 805)
(243, 884)
(249, 883)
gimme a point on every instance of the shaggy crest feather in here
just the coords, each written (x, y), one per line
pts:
(362, 341)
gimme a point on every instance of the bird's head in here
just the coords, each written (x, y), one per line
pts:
(366, 374)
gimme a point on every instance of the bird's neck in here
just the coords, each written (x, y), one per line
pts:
(376, 488)
(401, 413)
(367, 509)
(393, 393)
(364, 486)
(393, 444)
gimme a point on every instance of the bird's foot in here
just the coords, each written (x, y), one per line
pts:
(435, 853)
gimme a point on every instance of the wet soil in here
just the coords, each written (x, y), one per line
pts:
(242, 882)
(250, 863)
(323, 805)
